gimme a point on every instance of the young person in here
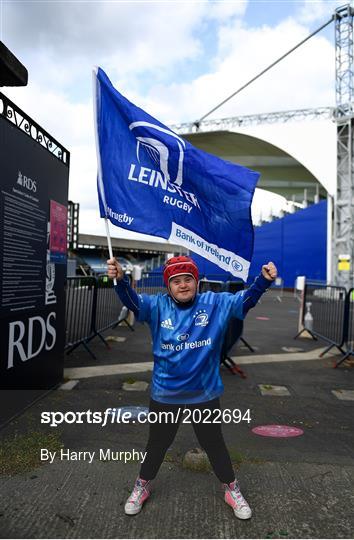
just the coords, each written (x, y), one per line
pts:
(188, 330)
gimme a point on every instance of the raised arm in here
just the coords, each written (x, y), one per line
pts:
(127, 295)
(259, 286)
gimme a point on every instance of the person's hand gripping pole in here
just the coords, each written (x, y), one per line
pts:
(114, 270)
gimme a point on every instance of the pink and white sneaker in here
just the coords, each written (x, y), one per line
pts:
(138, 496)
(235, 499)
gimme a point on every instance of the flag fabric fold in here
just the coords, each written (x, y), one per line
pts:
(152, 181)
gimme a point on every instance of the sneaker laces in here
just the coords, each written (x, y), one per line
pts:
(237, 495)
(137, 492)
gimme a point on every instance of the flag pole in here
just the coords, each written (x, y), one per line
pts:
(99, 167)
(109, 242)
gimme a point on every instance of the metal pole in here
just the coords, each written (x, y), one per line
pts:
(109, 242)
(343, 226)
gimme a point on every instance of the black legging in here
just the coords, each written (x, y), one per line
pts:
(209, 435)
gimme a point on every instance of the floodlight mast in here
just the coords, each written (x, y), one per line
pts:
(343, 205)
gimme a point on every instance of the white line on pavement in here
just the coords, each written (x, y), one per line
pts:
(112, 369)
(284, 357)
(138, 367)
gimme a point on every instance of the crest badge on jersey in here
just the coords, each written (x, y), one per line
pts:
(201, 318)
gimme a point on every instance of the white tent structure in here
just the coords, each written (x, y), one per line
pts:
(297, 161)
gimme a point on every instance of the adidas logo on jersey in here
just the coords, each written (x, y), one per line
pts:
(167, 324)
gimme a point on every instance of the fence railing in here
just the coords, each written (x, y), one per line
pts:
(349, 331)
(150, 283)
(328, 313)
(109, 307)
(210, 285)
(80, 298)
(92, 306)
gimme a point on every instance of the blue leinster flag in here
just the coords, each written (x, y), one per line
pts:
(152, 181)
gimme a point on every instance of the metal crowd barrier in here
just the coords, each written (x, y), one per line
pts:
(349, 330)
(80, 299)
(92, 306)
(235, 327)
(324, 314)
(109, 310)
(150, 283)
(210, 285)
(234, 332)
(234, 286)
(215, 277)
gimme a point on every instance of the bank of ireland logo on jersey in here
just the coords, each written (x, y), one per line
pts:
(201, 318)
(168, 158)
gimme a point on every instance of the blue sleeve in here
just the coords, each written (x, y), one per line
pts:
(147, 303)
(237, 305)
(127, 295)
(140, 304)
(254, 292)
(231, 305)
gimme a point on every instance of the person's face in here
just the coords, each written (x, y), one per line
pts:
(183, 287)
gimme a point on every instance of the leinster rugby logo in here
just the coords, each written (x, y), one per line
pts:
(201, 318)
(169, 158)
(237, 266)
(183, 337)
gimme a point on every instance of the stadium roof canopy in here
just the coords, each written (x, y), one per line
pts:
(91, 241)
(290, 158)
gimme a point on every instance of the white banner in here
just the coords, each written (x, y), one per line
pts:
(228, 261)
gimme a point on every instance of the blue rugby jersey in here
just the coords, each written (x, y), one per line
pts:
(187, 341)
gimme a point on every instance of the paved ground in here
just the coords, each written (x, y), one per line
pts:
(298, 487)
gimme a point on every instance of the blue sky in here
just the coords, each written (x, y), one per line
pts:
(39, 31)
(258, 13)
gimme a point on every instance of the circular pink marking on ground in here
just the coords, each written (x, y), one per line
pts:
(263, 318)
(277, 431)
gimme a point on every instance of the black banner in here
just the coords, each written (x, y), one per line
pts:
(33, 239)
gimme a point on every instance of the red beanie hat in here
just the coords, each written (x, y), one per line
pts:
(176, 266)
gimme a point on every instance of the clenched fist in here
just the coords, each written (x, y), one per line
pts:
(114, 269)
(269, 271)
